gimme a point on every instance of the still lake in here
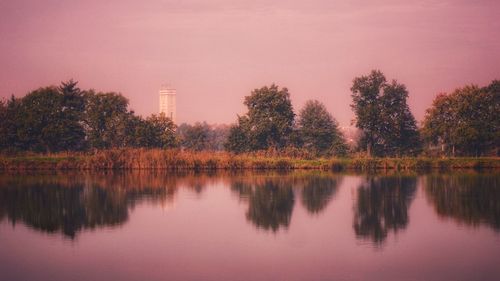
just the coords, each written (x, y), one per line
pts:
(305, 225)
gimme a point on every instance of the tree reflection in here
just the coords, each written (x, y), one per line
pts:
(271, 205)
(318, 191)
(270, 200)
(469, 199)
(271, 197)
(58, 208)
(382, 205)
(70, 203)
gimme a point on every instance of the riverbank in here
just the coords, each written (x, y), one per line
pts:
(128, 159)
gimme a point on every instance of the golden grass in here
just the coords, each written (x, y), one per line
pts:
(178, 160)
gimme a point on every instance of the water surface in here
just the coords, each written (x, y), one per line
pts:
(249, 226)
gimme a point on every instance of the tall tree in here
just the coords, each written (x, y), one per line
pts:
(48, 119)
(162, 131)
(238, 137)
(269, 120)
(382, 113)
(398, 126)
(106, 119)
(73, 106)
(465, 122)
(319, 131)
(366, 91)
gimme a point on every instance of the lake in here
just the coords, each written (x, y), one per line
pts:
(305, 225)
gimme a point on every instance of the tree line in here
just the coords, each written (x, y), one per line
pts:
(66, 118)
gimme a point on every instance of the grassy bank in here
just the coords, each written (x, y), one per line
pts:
(186, 160)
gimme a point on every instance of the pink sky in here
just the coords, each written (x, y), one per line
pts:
(214, 52)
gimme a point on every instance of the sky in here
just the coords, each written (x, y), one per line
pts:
(215, 52)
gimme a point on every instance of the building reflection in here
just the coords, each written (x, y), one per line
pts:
(469, 199)
(382, 206)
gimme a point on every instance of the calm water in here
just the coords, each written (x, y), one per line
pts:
(298, 226)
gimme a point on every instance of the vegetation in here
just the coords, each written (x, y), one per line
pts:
(268, 123)
(201, 136)
(465, 122)
(67, 119)
(319, 132)
(174, 159)
(70, 202)
(382, 114)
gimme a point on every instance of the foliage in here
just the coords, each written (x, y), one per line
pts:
(387, 124)
(267, 124)
(466, 121)
(156, 131)
(382, 206)
(319, 131)
(106, 120)
(45, 120)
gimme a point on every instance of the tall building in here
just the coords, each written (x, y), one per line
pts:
(167, 102)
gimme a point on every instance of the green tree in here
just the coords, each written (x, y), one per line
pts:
(195, 137)
(366, 91)
(158, 131)
(319, 130)
(72, 136)
(382, 113)
(106, 120)
(48, 119)
(464, 122)
(269, 120)
(238, 138)
(398, 126)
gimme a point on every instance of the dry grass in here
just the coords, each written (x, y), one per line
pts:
(178, 160)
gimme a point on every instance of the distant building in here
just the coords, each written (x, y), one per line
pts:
(167, 102)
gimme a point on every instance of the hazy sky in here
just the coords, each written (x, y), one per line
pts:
(214, 52)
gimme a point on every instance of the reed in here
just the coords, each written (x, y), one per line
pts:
(179, 160)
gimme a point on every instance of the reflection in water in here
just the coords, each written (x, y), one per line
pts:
(271, 198)
(318, 191)
(271, 205)
(70, 204)
(469, 199)
(382, 205)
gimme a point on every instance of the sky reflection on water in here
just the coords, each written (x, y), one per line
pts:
(299, 226)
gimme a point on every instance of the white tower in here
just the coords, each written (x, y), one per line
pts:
(167, 102)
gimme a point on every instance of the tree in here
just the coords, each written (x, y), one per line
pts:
(382, 206)
(47, 119)
(195, 137)
(73, 106)
(366, 92)
(269, 120)
(106, 120)
(382, 113)
(238, 138)
(319, 130)
(399, 128)
(465, 122)
(161, 131)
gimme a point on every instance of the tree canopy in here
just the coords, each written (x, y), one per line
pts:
(268, 122)
(466, 121)
(319, 131)
(384, 117)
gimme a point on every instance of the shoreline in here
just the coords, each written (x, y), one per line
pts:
(175, 160)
